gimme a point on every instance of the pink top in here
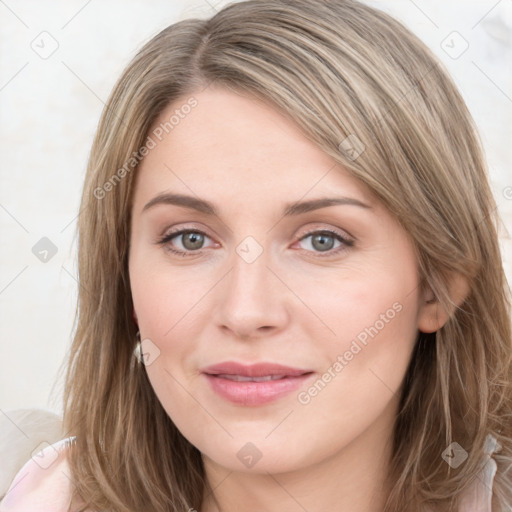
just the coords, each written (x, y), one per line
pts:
(44, 484)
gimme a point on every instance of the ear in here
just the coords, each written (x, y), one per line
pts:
(432, 315)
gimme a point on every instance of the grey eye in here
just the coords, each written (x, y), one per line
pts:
(192, 240)
(322, 242)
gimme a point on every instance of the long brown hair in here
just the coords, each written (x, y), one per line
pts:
(340, 70)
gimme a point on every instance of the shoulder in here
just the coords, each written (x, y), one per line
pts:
(43, 483)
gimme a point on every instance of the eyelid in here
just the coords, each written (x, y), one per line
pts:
(333, 231)
(168, 235)
(346, 242)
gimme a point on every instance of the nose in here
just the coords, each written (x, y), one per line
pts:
(252, 302)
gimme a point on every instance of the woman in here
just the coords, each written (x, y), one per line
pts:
(292, 291)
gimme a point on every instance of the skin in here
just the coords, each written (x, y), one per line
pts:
(292, 305)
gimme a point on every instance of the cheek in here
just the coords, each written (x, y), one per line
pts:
(366, 322)
(172, 309)
(364, 362)
(163, 297)
(164, 300)
(355, 304)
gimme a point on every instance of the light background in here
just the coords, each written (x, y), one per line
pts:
(49, 109)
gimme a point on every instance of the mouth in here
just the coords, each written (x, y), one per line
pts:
(243, 378)
(263, 369)
(254, 385)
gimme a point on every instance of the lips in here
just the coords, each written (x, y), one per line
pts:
(231, 368)
(243, 378)
(253, 385)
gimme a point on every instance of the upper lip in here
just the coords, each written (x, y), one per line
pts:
(253, 370)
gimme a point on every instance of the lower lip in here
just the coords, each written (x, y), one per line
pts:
(255, 393)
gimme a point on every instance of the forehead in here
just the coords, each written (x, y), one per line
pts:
(236, 146)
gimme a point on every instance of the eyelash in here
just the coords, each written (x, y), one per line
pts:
(346, 242)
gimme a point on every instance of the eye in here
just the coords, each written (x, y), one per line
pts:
(324, 241)
(189, 240)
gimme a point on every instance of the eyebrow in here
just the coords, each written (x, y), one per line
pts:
(290, 209)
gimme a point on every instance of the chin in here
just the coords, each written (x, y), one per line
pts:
(259, 456)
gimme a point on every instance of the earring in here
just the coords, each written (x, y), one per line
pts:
(137, 352)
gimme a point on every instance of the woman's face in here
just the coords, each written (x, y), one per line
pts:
(261, 274)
